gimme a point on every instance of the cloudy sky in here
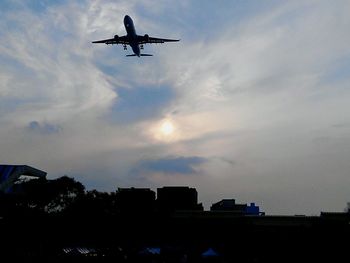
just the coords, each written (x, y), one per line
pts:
(251, 104)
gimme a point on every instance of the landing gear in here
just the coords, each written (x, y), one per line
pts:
(125, 48)
(141, 46)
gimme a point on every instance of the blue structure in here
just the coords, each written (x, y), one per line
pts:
(9, 174)
(229, 205)
(252, 209)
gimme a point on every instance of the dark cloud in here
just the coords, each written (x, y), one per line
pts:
(140, 103)
(172, 165)
(44, 128)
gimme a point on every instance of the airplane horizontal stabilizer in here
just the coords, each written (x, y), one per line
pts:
(142, 55)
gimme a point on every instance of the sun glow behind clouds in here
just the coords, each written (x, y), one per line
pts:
(165, 131)
(167, 128)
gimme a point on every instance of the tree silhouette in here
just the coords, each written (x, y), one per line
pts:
(49, 196)
(94, 204)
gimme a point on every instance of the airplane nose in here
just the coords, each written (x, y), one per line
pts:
(126, 18)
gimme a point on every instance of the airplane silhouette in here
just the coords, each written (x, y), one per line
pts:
(135, 41)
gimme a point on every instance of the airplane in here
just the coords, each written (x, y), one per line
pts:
(135, 41)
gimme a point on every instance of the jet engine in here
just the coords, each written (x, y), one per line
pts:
(116, 37)
(146, 37)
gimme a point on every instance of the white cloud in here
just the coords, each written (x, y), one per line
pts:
(59, 80)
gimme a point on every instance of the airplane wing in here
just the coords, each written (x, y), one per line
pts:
(154, 40)
(114, 41)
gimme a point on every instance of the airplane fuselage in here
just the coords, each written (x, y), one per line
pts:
(131, 34)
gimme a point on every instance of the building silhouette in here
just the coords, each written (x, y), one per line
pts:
(136, 199)
(9, 174)
(174, 198)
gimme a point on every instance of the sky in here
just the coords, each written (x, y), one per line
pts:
(251, 104)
